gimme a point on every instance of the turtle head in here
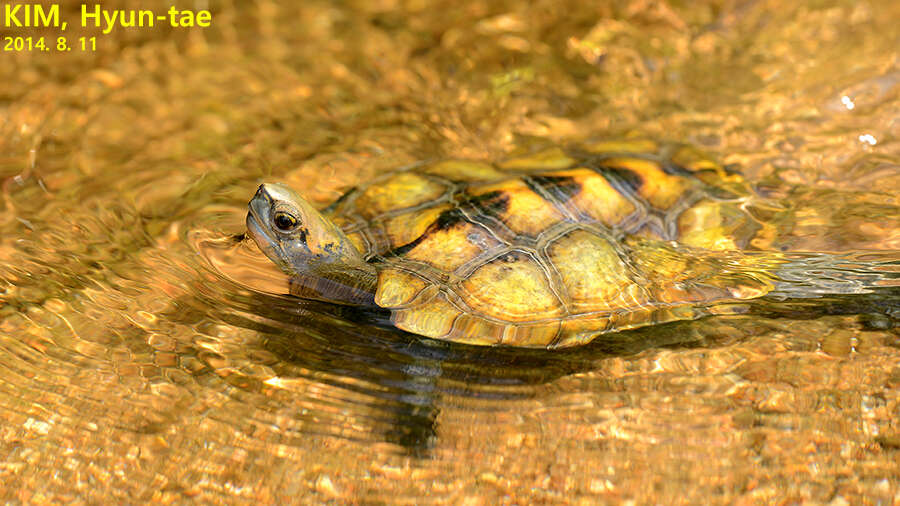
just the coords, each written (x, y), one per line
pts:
(303, 242)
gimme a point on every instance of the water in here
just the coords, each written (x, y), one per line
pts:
(145, 355)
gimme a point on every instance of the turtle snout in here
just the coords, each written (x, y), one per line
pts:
(260, 204)
(262, 194)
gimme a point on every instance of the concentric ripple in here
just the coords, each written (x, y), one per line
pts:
(147, 353)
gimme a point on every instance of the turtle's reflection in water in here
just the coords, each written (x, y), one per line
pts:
(344, 372)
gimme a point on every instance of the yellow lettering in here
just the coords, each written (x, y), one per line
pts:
(10, 12)
(110, 21)
(85, 15)
(187, 18)
(50, 18)
(149, 18)
(172, 12)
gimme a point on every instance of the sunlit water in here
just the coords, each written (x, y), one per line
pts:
(146, 354)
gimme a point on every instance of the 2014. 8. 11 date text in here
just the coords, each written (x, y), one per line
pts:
(61, 44)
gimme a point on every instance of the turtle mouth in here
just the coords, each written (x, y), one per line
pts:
(259, 207)
(255, 228)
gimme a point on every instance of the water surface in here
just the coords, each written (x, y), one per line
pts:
(145, 353)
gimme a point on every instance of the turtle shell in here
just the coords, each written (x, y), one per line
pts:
(555, 248)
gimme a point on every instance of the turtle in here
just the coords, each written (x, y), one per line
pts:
(546, 249)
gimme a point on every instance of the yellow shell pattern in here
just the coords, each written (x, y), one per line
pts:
(555, 248)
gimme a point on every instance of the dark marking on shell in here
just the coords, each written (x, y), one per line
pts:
(732, 169)
(560, 188)
(622, 178)
(446, 220)
(672, 168)
(491, 204)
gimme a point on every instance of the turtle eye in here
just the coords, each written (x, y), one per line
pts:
(284, 221)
